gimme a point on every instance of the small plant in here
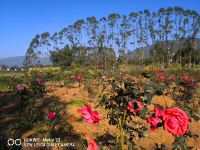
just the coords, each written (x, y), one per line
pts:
(69, 81)
(38, 86)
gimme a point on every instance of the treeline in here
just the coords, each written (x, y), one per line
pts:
(166, 36)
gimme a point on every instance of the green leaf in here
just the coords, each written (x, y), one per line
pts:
(147, 99)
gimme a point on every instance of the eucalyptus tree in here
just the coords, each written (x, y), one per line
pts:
(167, 30)
(78, 27)
(113, 20)
(124, 32)
(92, 31)
(146, 33)
(133, 16)
(195, 30)
(160, 36)
(141, 35)
(45, 45)
(70, 35)
(186, 49)
(101, 42)
(178, 33)
(30, 56)
(152, 31)
(102, 33)
(62, 37)
(54, 39)
(31, 53)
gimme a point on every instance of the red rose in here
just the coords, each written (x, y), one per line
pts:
(160, 77)
(155, 71)
(171, 78)
(186, 78)
(175, 121)
(51, 115)
(78, 76)
(134, 107)
(163, 70)
(158, 112)
(92, 145)
(153, 121)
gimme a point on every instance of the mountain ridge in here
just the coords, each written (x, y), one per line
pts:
(18, 61)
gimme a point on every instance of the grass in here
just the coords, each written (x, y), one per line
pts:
(10, 73)
(39, 130)
(77, 102)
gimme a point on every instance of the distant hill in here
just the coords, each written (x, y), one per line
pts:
(18, 61)
(133, 54)
(12, 61)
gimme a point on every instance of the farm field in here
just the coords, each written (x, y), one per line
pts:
(42, 106)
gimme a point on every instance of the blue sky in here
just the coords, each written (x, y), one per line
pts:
(20, 20)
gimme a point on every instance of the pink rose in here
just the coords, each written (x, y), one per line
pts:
(134, 107)
(92, 145)
(51, 115)
(20, 87)
(89, 115)
(175, 121)
(153, 121)
(39, 80)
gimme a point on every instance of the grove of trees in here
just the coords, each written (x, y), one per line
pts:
(163, 37)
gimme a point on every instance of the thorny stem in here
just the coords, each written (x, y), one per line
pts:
(20, 103)
(121, 130)
(118, 126)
